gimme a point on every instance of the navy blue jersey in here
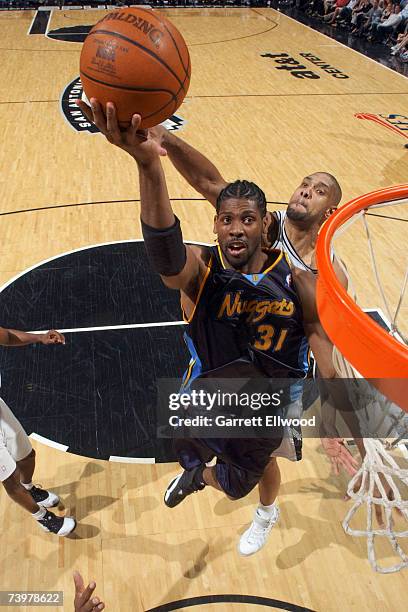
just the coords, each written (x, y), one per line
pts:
(242, 319)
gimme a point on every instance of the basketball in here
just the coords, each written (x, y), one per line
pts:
(137, 59)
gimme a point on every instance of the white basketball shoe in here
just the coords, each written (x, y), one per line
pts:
(256, 535)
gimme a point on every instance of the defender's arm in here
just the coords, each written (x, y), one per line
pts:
(197, 169)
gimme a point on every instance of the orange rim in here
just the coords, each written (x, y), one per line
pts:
(373, 352)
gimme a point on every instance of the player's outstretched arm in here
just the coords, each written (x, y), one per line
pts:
(320, 344)
(14, 337)
(197, 169)
(335, 393)
(322, 349)
(179, 266)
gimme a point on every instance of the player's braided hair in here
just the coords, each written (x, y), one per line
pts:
(245, 190)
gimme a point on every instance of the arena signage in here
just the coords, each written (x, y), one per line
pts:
(298, 70)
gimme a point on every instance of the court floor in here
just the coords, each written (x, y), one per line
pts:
(70, 259)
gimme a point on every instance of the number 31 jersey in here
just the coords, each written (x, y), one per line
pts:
(255, 317)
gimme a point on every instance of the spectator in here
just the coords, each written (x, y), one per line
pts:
(388, 7)
(316, 8)
(363, 17)
(404, 14)
(347, 12)
(366, 20)
(359, 12)
(332, 16)
(329, 6)
(400, 48)
(380, 30)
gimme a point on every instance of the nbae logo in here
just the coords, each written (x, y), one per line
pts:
(78, 122)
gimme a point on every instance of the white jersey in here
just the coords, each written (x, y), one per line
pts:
(14, 442)
(284, 244)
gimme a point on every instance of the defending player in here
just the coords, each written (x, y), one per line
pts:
(17, 457)
(294, 230)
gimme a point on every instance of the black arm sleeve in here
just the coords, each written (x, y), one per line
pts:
(166, 251)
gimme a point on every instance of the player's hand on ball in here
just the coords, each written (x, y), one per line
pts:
(339, 455)
(53, 337)
(140, 144)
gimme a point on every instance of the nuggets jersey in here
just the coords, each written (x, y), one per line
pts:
(255, 318)
(282, 242)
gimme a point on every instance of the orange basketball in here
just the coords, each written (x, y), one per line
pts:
(137, 59)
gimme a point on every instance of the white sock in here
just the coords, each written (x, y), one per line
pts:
(266, 512)
(27, 485)
(39, 514)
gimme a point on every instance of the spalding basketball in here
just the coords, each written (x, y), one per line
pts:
(137, 59)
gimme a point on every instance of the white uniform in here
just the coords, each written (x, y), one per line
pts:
(14, 442)
(289, 449)
(284, 244)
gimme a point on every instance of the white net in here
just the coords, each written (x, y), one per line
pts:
(378, 276)
(378, 476)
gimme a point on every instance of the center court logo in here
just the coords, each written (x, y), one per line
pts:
(79, 123)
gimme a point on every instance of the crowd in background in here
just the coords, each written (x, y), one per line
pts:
(379, 21)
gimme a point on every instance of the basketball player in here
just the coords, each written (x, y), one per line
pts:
(294, 231)
(240, 269)
(17, 457)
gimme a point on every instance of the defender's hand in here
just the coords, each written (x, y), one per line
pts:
(339, 455)
(158, 133)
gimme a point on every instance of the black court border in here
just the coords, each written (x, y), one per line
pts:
(246, 599)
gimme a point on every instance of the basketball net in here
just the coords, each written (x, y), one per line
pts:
(380, 479)
(379, 469)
